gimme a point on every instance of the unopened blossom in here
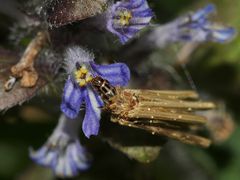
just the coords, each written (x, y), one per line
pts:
(63, 152)
(81, 68)
(125, 18)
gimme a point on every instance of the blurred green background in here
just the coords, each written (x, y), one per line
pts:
(215, 69)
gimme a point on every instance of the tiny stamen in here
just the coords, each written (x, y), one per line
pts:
(82, 76)
(125, 17)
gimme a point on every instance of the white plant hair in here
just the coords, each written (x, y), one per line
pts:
(74, 55)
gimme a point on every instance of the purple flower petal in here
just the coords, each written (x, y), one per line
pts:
(44, 157)
(118, 74)
(198, 28)
(63, 152)
(70, 161)
(134, 4)
(223, 35)
(92, 117)
(72, 99)
(203, 13)
(78, 156)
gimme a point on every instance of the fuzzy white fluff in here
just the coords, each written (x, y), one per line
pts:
(76, 54)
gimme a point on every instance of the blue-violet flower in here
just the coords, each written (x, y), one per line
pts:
(81, 69)
(196, 27)
(125, 18)
(63, 152)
